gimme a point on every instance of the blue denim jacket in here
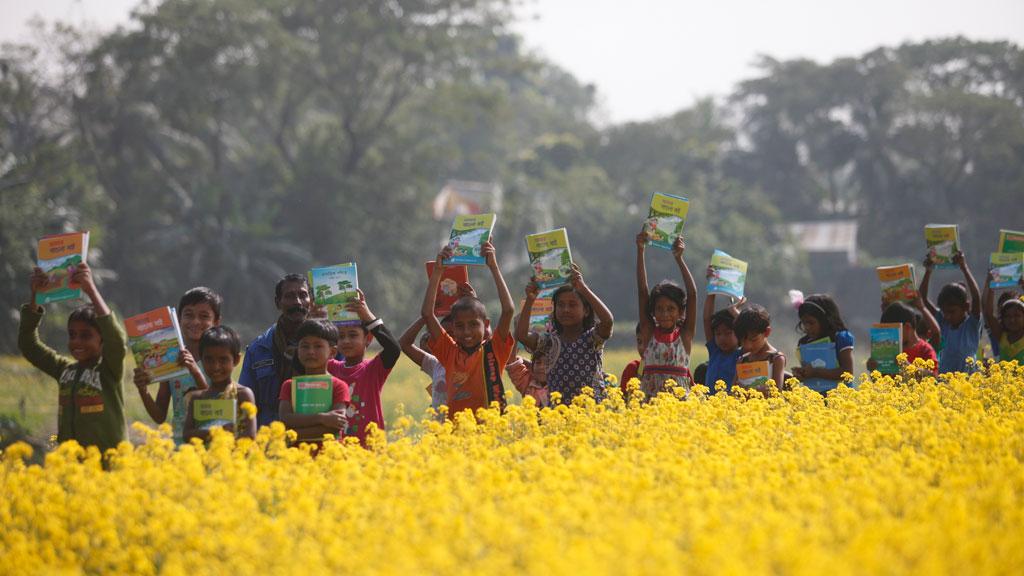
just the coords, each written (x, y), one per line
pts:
(259, 374)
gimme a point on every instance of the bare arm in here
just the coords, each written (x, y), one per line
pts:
(523, 334)
(508, 306)
(972, 284)
(643, 292)
(427, 309)
(604, 315)
(408, 342)
(157, 409)
(248, 423)
(925, 281)
(191, 431)
(988, 309)
(779, 370)
(709, 311)
(690, 323)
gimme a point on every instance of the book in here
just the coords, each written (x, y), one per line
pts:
(156, 343)
(753, 374)
(819, 354)
(1006, 269)
(728, 275)
(469, 234)
(665, 219)
(540, 313)
(448, 291)
(898, 283)
(58, 255)
(943, 241)
(333, 288)
(550, 258)
(210, 412)
(1011, 241)
(312, 395)
(886, 345)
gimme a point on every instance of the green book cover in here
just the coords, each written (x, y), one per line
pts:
(665, 219)
(550, 258)
(943, 241)
(886, 345)
(469, 234)
(333, 288)
(312, 394)
(210, 412)
(58, 256)
(1011, 241)
(1006, 269)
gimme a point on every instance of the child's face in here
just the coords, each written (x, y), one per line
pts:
(1013, 319)
(570, 310)
(218, 363)
(468, 329)
(667, 313)
(811, 327)
(84, 341)
(725, 338)
(754, 342)
(196, 319)
(353, 341)
(909, 334)
(314, 352)
(954, 314)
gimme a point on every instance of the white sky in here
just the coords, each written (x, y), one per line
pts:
(653, 57)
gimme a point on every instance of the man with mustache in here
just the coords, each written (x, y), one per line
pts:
(268, 359)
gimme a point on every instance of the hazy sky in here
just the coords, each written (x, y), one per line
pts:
(652, 57)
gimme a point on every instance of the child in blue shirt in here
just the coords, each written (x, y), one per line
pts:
(819, 319)
(959, 316)
(723, 346)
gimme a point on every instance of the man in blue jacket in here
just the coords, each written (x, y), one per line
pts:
(268, 359)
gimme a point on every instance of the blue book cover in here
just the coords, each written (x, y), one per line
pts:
(469, 234)
(819, 355)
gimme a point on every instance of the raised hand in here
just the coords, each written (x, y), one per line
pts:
(489, 254)
(444, 254)
(466, 289)
(359, 306)
(576, 277)
(532, 290)
(678, 247)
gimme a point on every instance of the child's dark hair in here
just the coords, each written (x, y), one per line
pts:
(901, 313)
(200, 295)
(469, 304)
(754, 319)
(722, 318)
(953, 294)
(318, 329)
(824, 309)
(1005, 307)
(279, 288)
(220, 336)
(588, 319)
(670, 290)
(84, 313)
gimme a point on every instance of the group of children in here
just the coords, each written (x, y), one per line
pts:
(465, 354)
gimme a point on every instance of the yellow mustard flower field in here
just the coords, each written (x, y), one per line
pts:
(895, 476)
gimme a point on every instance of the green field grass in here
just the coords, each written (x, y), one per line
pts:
(31, 397)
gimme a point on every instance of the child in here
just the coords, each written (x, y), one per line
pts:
(752, 327)
(913, 345)
(198, 311)
(723, 347)
(573, 351)
(365, 376)
(960, 320)
(820, 319)
(1007, 330)
(472, 362)
(318, 343)
(667, 323)
(220, 350)
(635, 368)
(91, 397)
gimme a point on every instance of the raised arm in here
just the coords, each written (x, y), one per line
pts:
(709, 311)
(972, 284)
(690, 323)
(523, 334)
(929, 265)
(988, 309)
(508, 306)
(391, 349)
(605, 320)
(643, 292)
(407, 341)
(927, 317)
(427, 308)
(29, 343)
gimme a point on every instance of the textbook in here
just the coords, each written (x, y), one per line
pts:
(469, 234)
(540, 313)
(448, 291)
(58, 255)
(819, 355)
(728, 275)
(898, 284)
(312, 395)
(334, 287)
(943, 242)
(550, 258)
(155, 341)
(665, 219)
(210, 412)
(1010, 241)
(1006, 269)
(753, 374)
(886, 345)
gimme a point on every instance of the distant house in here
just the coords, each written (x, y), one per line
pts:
(463, 197)
(829, 244)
